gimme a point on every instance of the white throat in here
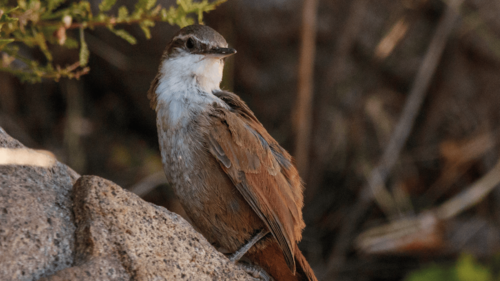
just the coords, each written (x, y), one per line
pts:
(186, 84)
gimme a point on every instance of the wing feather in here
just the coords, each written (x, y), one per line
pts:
(261, 171)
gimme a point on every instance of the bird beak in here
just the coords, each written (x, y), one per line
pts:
(221, 52)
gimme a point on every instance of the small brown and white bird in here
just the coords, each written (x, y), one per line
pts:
(235, 182)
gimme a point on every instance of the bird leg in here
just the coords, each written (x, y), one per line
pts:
(255, 271)
(236, 256)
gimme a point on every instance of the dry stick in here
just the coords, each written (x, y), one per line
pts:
(424, 229)
(72, 139)
(148, 184)
(305, 85)
(108, 52)
(334, 74)
(398, 138)
(346, 39)
(471, 195)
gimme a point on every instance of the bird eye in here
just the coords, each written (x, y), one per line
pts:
(190, 43)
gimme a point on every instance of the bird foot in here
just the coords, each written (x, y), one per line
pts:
(255, 271)
(236, 256)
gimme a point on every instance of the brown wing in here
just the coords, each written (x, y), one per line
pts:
(261, 171)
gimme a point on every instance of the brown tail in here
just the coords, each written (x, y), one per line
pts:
(303, 267)
(272, 261)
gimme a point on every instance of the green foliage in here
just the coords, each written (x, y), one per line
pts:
(40, 24)
(106, 5)
(84, 50)
(432, 273)
(124, 35)
(466, 269)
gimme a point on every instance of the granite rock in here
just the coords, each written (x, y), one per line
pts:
(56, 225)
(151, 242)
(36, 217)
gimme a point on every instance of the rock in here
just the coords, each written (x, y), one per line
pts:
(108, 268)
(151, 242)
(93, 230)
(36, 221)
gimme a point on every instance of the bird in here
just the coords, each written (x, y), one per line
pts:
(238, 186)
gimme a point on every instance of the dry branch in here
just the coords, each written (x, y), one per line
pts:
(389, 42)
(398, 139)
(336, 72)
(424, 232)
(471, 195)
(303, 105)
(148, 184)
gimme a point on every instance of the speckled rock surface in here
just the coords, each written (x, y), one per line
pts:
(54, 227)
(150, 242)
(36, 220)
(106, 268)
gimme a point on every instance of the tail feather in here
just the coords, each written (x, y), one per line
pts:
(303, 267)
(271, 259)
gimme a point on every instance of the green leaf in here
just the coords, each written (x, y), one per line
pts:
(124, 35)
(84, 49)
(467, 269)
(106, 5)
(71, 43)
(155, 11)
(146, 31)
(4, 42)
(145, 27)
(150, 4)
(431, 273)
(102, 17)
(53, 4)
(184, 4)
(145, 4)
(41, 41)
(164, 14)
(4, 17)
(47, 16)
(122, 13)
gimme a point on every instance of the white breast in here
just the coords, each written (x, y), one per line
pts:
(184, 91)
(186, 85)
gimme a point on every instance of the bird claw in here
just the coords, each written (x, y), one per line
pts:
(255, 271)
(236, 256)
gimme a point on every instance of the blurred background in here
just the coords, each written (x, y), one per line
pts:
(398, 144)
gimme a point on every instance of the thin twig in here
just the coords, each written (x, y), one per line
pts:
(148, 183)
(389, 42)
(108, 52)
(398, 139)
(423, 232)
(305, 85)
(77, 157)
(354, 23)
(471, 195)
(335, 73)
(415, 98)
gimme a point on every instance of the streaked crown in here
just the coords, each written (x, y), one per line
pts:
(196, 51)
(198, 39)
